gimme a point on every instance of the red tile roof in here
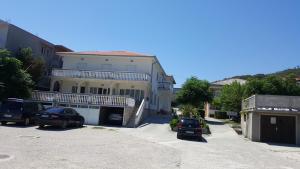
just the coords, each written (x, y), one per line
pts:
(106, 53)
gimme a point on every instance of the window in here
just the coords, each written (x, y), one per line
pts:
(122, 92)
(100, 90)
(142, 94)
(127, 92)
(82, 89)
(74, 89)
(132, 93)
(104, 91)
(93, 90)
(137, 95)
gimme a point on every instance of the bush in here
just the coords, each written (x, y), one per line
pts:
(221, 115)
(173, 123)
(201, 113)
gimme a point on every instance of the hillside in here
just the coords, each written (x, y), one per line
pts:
(283, 73)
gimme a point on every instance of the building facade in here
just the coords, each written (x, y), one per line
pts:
(14, 38)
(271, 118)
(114, 75)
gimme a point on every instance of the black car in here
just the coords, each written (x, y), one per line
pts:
(19, 111)
(189, 127)
(60, 117)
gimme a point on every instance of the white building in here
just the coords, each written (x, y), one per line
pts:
(99, 83)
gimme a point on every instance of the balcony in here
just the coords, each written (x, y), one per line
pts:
(86, 99)
(164, 86)
(103, 75)
(271, 103)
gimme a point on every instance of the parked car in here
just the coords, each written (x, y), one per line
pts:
(115, 117)
(19, 111)
(60, 117)
(189, 127)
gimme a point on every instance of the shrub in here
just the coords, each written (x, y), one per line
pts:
(201, 113)
(173, 123)
(221, 115)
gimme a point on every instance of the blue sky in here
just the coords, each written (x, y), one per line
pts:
(210, 39)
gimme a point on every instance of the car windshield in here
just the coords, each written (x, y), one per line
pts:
(54, 110)
(11, 106)
(190, 123)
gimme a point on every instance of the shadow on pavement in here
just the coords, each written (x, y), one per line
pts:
(156, 120)
(203, 140)
(17, 125)
(215, 122)
(282, 144)
(54, 128)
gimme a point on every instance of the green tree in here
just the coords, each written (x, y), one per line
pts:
(34, 66)
(189, 110)
(216, 103)
(194, 92)
(231, 97)
(273, 85)
(17, 82)
(5, 53)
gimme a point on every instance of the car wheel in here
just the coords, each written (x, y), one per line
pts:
(64, 125)
(81, 123)
(3, 122)
(41, 126)
(179, 136)
(199, 138)
(26, 121)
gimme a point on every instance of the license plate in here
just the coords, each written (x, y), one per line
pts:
(189, 132)
(45, 115)
(7, 115)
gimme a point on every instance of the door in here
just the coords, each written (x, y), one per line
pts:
(278, 129)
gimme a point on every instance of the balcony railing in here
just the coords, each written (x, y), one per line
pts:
(164, 86)
(105, 75)
(88, 99)
(271, 103)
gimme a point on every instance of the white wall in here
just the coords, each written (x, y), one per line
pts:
(119, 63)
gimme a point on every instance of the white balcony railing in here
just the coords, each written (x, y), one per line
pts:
(164, 85)
(105, 75)
(271, 103)
(73, 98)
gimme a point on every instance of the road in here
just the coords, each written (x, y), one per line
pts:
(222, 149)
(152, 146)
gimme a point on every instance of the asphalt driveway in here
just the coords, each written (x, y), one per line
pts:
(224, 148)
(152, 146)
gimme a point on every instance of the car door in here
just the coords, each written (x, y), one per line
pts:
(76, 117)
(68, 115)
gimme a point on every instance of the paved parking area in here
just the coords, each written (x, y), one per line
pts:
(152, 146)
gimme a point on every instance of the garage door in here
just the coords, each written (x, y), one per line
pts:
(278, 129)
(111, 116)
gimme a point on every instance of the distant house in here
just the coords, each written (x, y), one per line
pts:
(14, 38)
(298, 80)
(216, 88)
(101, 83)
(270, 118)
